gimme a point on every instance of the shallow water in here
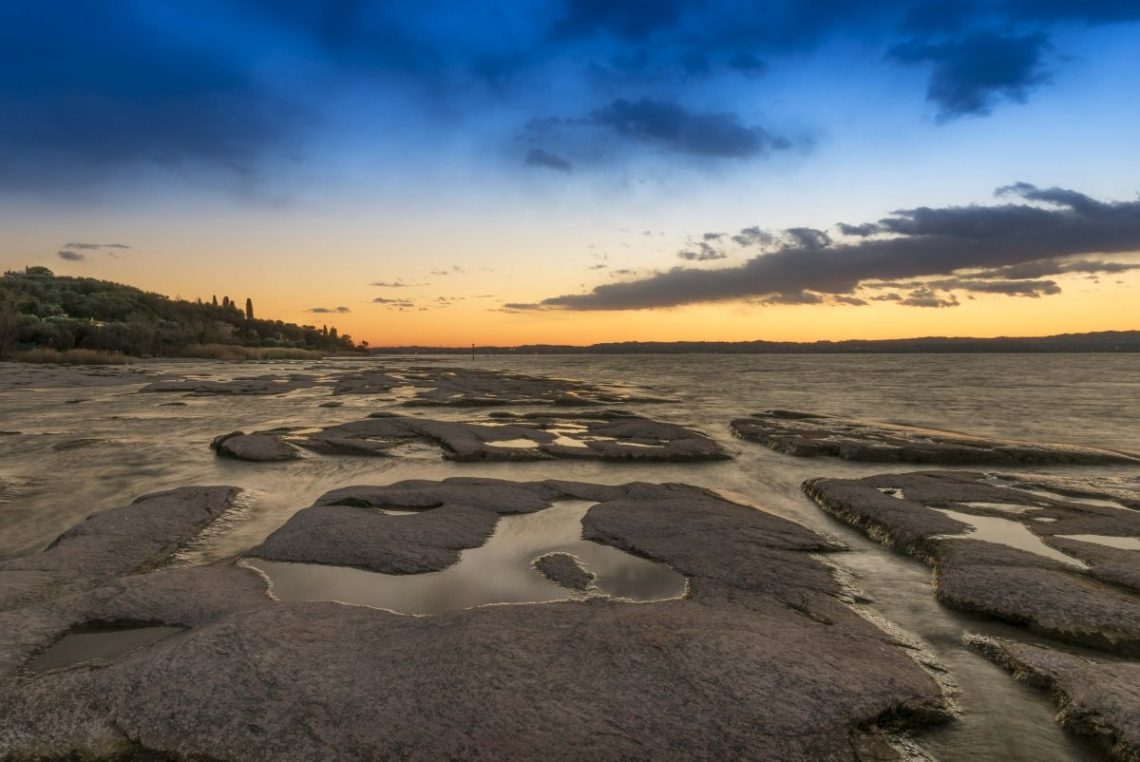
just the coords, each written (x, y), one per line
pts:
(499, 571)
(97, 647)
(1123, 543)
(1006, 532)
(147, 445)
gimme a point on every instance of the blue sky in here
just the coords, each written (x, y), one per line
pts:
(545, 150)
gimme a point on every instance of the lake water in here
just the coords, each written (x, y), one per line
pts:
(140, 443)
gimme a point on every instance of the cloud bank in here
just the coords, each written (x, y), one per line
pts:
(930, 253)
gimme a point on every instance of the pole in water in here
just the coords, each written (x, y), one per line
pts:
(472, 351)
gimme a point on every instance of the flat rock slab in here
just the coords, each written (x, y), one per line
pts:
(1039, 552)
(119, 541)
(366, 382)
(468, 387)
(1096, 699)
(249, 385)
(761, 660)
(17, 375)
(608, 435)
(564, 569)
(810, 435)
(257, 447)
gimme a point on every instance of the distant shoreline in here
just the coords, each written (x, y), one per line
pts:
(1099, 342)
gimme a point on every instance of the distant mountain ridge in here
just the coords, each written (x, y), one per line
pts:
(1101, 341)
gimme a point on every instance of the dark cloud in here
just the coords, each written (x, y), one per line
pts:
(703, 252)
(395, 304)
(102, 88)
(1027, 288)
(1054, 267)
(670, 126)
(629, 19)
(328, 310)
(95, 246)
(922, 243)
(71, 256)
(969, 75)
(753, 236)
(808, 238)
(92, 90)
(395, 284)
(536, 157)
(861, 231)
(1082, 11)
(792, 297)
(926, 297)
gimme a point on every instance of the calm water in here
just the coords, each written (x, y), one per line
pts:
(144, 445)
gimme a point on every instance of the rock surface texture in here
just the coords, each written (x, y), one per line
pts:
(1035, 551)
(257, 447)
(249, 385)
(120, 541)
(761, 659)
(1097, 699)
(470, 387)
(610, 435)
(810, 435)
(564, 569)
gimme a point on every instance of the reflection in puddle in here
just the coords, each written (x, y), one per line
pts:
(97, 646)
(1004, 507)
(1124, 543)
(1078, 500)
(565, 441)
(1006, 532)
(514, 443)
(500, 571)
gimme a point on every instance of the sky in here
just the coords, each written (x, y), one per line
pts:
(579, 171)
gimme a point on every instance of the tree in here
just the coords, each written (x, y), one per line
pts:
(248, 308)
(9, 326)
(215, 300)
(226, 302)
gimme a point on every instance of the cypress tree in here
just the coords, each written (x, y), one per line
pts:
(248, 308)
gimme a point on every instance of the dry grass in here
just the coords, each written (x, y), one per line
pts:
(234, 352)
(70, 357)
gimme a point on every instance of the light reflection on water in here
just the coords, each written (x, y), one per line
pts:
(499, 571)
(1079, 399)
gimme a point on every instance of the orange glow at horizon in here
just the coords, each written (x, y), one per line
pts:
(1081, 307)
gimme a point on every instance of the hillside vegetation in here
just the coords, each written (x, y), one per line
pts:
(43, 315)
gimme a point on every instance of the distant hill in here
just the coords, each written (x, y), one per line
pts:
(1104, 341)
(41, 310)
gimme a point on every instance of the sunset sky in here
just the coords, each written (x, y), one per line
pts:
(577, 171)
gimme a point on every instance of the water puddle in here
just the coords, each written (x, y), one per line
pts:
(1006, 532)
(500, 571)
(565, 441)
(1098, 502)
(519, 444)
(97, 646)
(1004, 507)
(1124, 543)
